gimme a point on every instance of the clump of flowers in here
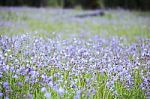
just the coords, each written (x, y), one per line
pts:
(32, 67)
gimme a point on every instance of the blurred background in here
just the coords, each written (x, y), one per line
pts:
(84, 4)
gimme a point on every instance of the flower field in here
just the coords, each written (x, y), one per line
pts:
(49, 53)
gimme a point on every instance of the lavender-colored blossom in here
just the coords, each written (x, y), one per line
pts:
(61, 91)
(78, 94)
(6, 85)
(19, 83)
(1, 94)
(47, 95)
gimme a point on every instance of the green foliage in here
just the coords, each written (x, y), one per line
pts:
(55, 3)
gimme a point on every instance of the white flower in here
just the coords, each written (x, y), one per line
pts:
(43, 89)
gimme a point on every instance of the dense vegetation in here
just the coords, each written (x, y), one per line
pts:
(53, 54)
(92, 4)
(37, 68)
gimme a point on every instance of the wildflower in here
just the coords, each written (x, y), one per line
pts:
(6, 85)
(78, 94)
(19, 83)
(61, 91)
(15, 76)
(6, 97)
(74, 86)
(43, 89)
(1, 75)
(47, 95)
(1, 94)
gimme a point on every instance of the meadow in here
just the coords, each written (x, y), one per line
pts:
(50, 53)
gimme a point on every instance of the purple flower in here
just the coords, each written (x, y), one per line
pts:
(47, 95)
(19, 83)
(1, 94)
(6, 85)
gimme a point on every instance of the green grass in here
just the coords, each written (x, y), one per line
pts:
(47, 21)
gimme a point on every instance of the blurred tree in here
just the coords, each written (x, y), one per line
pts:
(2, 2)
(55, 3)
(71, 3)
(86, 4)
(145, 4)
(92, 4)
